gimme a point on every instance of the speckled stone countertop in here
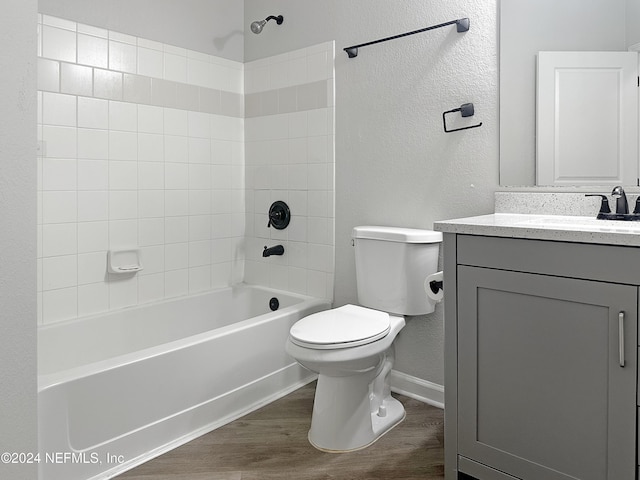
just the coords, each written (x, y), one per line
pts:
(563, 228)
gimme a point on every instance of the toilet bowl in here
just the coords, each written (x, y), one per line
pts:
(353, 406)
(351, 347)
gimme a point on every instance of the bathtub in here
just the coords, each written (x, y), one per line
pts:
(118, 389)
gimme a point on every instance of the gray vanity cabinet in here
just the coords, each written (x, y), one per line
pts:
(544, 362)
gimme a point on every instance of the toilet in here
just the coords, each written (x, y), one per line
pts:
(351, 347)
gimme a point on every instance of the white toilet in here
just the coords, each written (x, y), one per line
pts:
(351, 347)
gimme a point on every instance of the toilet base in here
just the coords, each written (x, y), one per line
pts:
(343, 420)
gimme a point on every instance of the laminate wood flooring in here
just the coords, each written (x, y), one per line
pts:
(271, 444)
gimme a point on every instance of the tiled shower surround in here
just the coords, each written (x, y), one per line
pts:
(289, 156)
(142, 145)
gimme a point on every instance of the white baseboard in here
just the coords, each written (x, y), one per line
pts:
(417, 388)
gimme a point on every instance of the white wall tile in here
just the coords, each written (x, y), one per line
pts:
(59, 239)
(123, 175)
(122, 57)
(58, 109)
(123, 292)
(176, 122)
(93, 206)
(58, 305)
(93, 144)
(150, 63)
(151, 232)
(93, 174)
(176, 229)
(150, 147)
(152, 259)
(199, 253)
(151, 288)
(153, 45)
(76, 79)
(58, 174)
(93, 113)
(123, 145)
(200, 177)
(91, 30)
(93, 51)
(150, 175)
(199, 150)
(318, 176)
(57, 22)
(60, 142)
(199, 202)
(176, 256)
(93, 237)
(176, 283)
(199, 227)
(221, 275)
(59, 272)
(107, 84)
(151, 203)
(176, 149)
(93, 299)
(150, 119)
(175, 68)
(59, 207)
(199, 124)
(123, 205)
(123, 234)
(92, 267)
(176, 176)
(48, 75)
(199, 279)
(199, 73)
(176, 203)
(317, 67)
(123, 116)
(58, 44)
(123, 38)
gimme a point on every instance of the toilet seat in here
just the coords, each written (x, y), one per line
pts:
(343, 327)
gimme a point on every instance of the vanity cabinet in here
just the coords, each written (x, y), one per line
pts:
(541, 359)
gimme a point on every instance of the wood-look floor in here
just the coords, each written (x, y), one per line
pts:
(271, 444)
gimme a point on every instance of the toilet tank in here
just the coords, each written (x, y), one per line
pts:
(391, 266)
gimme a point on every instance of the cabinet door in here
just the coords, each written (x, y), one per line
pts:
(587, 118)
(541, 391)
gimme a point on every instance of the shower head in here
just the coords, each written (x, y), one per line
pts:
(258, 25)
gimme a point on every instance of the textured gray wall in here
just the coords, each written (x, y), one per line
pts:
(215, 27)
(394, 163)
(18, 397)
(633, 22)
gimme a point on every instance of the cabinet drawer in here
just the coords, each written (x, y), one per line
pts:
(576, 260)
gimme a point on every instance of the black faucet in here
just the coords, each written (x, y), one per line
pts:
(622, 206)
(621, 200)
(277, 250)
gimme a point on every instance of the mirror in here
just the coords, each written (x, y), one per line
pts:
(530, 26)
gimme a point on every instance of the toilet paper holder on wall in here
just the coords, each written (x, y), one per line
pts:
(436, 285)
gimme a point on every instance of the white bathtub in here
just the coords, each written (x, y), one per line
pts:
(118, 389)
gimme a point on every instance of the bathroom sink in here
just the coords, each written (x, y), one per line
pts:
(587, 224)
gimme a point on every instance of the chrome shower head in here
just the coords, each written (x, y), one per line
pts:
(258, 25)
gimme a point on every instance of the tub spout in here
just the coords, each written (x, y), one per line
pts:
(277, 250)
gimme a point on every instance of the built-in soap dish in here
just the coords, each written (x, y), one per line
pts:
(124, 261)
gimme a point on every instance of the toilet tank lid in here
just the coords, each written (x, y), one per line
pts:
(397, 234)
